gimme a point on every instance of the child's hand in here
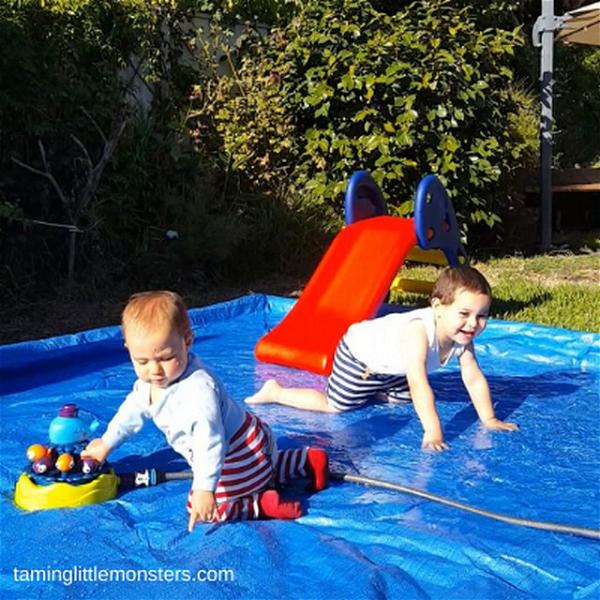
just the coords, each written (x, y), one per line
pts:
(97, 450)
(204, 508)
(497, 425)
(435, 443)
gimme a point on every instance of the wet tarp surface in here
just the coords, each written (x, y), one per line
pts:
(355, 541)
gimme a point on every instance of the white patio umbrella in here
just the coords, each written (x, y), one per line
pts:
(580, 26)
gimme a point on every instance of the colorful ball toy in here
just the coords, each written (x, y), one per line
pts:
(65, 462)
(37, 451)
(89, 465)
(42, 465)
(57, 476)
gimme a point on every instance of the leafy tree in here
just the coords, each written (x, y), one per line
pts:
(402, 94)
(62, 110)
(91, 113)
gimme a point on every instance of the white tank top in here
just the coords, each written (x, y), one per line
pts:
(381, 344)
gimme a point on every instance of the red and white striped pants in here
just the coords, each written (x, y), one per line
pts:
(252, 465)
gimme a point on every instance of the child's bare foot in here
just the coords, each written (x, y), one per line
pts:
(267, 393)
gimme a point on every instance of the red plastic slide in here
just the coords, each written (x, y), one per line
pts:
(349, 285)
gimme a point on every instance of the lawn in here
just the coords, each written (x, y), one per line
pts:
(559, 290)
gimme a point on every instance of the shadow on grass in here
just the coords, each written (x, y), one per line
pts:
(504, 306)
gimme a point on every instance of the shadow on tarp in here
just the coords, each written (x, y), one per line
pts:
(352, 444)
(508, 394)
(63, 363)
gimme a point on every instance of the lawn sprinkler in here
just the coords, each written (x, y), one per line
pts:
(57, 476)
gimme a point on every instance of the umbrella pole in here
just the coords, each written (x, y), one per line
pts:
(546, 122)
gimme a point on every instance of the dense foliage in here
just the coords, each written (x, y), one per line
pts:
(344, 87)
(141, 142)
(92, 114)
(62, 107)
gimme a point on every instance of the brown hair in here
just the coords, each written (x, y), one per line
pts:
(453, 279)
(155, 309)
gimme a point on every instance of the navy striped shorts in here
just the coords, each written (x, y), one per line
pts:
(351, 384)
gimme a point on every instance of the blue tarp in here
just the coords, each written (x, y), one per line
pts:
(354, 541)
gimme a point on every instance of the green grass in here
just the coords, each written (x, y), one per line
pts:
(559, 291)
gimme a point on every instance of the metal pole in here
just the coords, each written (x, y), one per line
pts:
(546, 122)
(71, 264)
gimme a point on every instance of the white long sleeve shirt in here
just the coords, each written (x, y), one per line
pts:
(196, 415)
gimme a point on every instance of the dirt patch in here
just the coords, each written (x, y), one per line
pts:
(50, 317)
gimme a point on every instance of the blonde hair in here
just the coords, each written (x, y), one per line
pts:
(453, 279)
(155, 309)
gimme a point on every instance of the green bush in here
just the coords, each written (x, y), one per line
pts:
(344, 87)
(82, 148)
(242, 119)
(62, 110)
(263, 11)
(247, 167)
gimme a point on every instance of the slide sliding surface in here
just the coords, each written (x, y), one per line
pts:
(349, 285)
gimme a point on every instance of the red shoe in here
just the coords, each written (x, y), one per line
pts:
(317, 465)
(273, 507)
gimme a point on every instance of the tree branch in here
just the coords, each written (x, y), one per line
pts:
(88, 159)
(94, 123)
(46, 174)
(95, 172)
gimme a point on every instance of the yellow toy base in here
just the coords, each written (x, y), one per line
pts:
(31, 496)
(413, 286)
